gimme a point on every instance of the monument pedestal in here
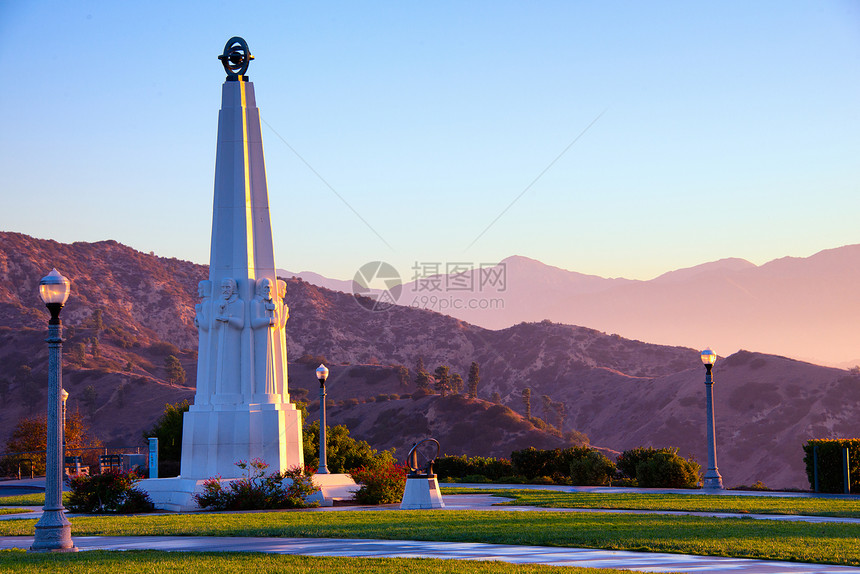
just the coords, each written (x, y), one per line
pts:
(173, 494)
(333, 487)
(213, 441)
(421, 493)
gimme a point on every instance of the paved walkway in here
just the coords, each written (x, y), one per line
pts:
(642, 561)
(489, 502)
(623, 490)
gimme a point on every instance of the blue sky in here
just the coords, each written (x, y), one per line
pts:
(724, 129)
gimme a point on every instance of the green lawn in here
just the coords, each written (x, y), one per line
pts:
(35, 499)
(152, 562)
(14, 510)
(737, 537)
(845, 508)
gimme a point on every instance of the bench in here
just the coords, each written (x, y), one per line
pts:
(110, 462)
(72, 465)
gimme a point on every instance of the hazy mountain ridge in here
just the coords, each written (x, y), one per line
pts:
(621, 393)
(800, 307)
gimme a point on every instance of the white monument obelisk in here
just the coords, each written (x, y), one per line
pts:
(242, 408)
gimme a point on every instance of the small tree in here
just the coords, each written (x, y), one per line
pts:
(95, 350)
(474, 379)
(31, 433)
(175, 372)
(403, 375)
(343, 453)
(546, 403)
(79, 353)
(422, 380)
(456, 384)
(496, 398)
(443, 379)
(560, 414)
(527, 402)
(96, 321)
(168, 430)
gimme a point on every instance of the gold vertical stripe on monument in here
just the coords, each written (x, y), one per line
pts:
(249, 216)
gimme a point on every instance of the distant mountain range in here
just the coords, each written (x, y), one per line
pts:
(621, 393)
(805, 308)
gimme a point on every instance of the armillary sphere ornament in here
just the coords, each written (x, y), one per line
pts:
(421, 458)
(236, 57)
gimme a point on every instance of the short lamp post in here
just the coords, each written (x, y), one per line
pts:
(713, 479)
(322, 375)
(53, 531)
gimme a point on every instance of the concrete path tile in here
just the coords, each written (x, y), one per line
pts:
(639, 561)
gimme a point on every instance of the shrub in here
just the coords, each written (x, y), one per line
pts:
(630, 459)
(309, 359)
(343, 453)
(668, 470)
(592, 469)
(830, 477)
(164, 348)
(256, 491)
(531, 462)
(168, 429)
(512, 479)
(541, 480)
(462, 466)
(380, 484)
(109, 492)
(477, 478)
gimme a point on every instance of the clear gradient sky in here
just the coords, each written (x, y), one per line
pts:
(723, 129)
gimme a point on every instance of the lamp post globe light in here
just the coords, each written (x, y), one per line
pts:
(712, 475)
(322, 375)
(53, 531)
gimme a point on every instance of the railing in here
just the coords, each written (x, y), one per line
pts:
(29, 457)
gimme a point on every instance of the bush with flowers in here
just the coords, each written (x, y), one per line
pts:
(109, 492)
(381, 483)
(256, 490)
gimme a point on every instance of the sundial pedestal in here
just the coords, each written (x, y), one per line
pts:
(421, 492)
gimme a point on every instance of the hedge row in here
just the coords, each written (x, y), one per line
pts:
(579, 466)
(830, 474)
(461, 466)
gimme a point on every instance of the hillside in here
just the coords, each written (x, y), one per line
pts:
(619, 392)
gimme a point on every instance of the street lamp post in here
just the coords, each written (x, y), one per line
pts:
(712, 475)
(322, 375)
(53, 531)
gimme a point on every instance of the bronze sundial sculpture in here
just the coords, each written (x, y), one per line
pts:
(236, 58)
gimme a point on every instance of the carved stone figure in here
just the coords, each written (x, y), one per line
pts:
(230, 318)
(282, 341)
(203, 322)
(265, 321)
